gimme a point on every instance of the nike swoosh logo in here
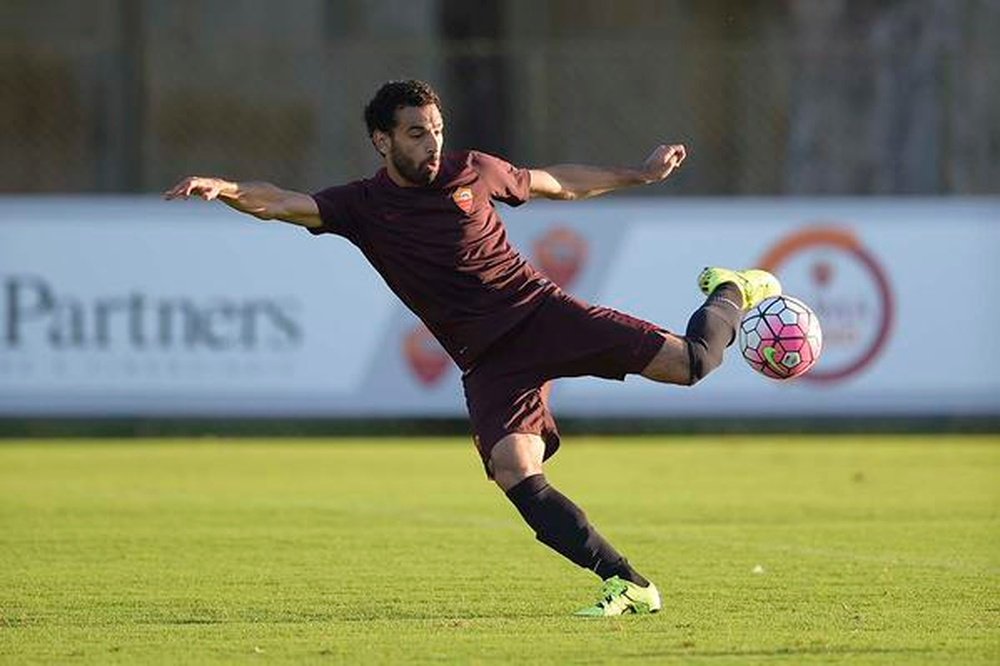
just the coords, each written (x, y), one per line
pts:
(769, 353)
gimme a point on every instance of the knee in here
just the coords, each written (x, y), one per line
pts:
(701, 360)
(507, 475)
(514, 458)
(670, 364)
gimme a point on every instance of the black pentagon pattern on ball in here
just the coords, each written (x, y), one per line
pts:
(775, 306)
(767, 323)
(790, 316)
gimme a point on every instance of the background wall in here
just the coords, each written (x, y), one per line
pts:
(129, 306)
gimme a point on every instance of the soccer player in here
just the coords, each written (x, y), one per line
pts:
(427, 223)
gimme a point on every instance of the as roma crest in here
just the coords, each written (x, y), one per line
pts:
(560, 254)
(428, 360)
(463, 198)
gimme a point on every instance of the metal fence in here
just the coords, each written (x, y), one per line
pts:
(806, 97)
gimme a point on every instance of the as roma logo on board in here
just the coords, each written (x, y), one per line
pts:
(463, 198)
(428, 360)
(560, 254)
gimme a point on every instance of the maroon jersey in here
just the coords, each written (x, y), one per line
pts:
(442, 248)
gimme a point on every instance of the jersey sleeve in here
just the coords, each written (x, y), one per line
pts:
(506, 182)
(336, 210)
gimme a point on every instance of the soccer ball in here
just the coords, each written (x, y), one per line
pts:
(780, 337)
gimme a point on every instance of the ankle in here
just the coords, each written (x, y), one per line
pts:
(623, 570)
(729, 293)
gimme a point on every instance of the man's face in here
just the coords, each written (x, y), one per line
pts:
(415, 143)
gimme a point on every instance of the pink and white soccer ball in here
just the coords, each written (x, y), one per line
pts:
(780, 337)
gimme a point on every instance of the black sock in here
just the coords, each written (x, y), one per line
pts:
(563, 526)
(712, 328)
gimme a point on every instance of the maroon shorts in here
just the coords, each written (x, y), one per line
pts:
(505, 390)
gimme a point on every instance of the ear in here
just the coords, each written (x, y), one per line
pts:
(382, 142)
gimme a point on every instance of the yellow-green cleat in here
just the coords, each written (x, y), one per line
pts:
(755, 284)
(621, 597)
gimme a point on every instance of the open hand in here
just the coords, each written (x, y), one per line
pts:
(663, 160)
(199, 186)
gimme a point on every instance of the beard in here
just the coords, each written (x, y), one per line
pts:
(419, 174)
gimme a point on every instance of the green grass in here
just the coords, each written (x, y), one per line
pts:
(873, 550)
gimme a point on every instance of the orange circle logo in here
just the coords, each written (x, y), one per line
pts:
(841, 280)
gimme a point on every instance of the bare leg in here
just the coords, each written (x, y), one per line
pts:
(671, 364)
(710, 330)
(516, 457)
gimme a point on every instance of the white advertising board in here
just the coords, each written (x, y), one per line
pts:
(134, 306)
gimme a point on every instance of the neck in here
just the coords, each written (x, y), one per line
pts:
(397, 177)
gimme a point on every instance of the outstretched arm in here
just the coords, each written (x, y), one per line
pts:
(573, 181)
(262, 200)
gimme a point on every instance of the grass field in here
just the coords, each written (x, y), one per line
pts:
(794, 550)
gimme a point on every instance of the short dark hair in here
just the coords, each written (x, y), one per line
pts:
(380, 112)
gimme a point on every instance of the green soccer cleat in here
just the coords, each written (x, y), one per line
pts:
(620, 597)
(754, 283)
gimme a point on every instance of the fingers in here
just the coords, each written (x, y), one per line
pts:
(664, 159)
(206, 188)
(674, 155)
(181, 189)
(174, 191)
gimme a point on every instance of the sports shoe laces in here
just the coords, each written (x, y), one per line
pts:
(613, 587)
